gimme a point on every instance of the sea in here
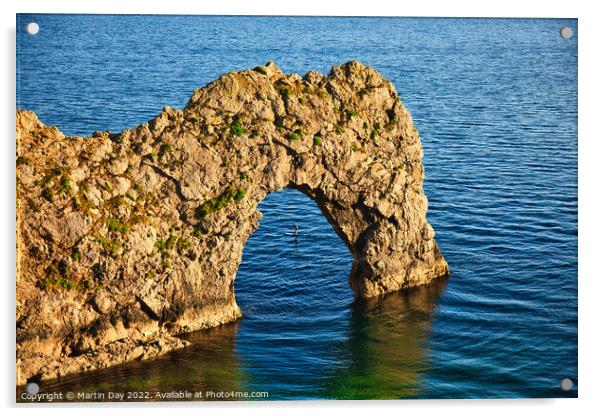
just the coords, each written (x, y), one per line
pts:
(495, 102)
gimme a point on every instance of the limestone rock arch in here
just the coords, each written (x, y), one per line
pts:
(125, 240)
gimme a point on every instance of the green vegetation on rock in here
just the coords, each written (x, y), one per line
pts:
(261, 69)
(55, 180)
(105, 186)
(164, 149)
(198, 232)
(239, 194)
(285, 91)
(237, 129)
(118, 138)
(22, 160)
(294, 135)
(350, 113)
(47, 194)
(375, 130)
(219, 202)
(65, 185)
(58, 276)
(110, 247)
(75, 254)
(116, 226)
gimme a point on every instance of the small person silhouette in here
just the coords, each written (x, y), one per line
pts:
(296, 230)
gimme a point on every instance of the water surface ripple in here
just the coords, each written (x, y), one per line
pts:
(495, 102)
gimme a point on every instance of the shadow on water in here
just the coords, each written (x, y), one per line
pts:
(387, 349)
(209, 363)
(382, 356)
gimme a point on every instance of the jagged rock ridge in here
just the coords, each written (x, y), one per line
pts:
(127, 240)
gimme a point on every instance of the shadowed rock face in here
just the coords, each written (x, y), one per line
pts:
(125, 240)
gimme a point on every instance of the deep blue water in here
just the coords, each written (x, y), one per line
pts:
(495, 101)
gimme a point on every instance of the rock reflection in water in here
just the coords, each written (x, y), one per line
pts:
(210, 363)
(382, 356)
(387, 349)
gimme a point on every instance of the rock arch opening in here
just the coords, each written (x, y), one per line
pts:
(283, 273)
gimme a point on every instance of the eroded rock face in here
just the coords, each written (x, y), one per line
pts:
(126, 240)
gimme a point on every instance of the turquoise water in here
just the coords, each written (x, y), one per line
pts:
(495, 101)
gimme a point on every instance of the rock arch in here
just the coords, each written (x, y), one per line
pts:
(125, 240)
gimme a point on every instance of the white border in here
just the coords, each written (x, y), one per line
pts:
(461, 8)
(589, 192)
